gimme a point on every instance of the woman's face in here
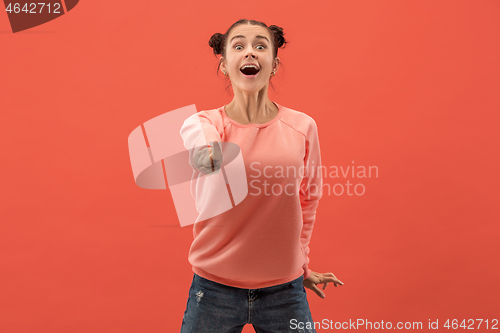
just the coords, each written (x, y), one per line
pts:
(249, 44)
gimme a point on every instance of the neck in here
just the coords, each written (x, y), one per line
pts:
(251, 108)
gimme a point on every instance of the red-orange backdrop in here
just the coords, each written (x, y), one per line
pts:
(411, 87)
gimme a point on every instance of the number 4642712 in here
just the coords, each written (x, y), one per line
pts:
(32, 8)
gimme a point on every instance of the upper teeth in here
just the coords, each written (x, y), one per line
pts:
(245, 66)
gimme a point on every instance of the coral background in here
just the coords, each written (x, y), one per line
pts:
(411, 87)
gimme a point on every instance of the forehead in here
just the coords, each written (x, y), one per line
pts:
(246, 31)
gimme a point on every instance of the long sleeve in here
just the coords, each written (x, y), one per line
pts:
(198, 131)
(311, 190)
(258, 238)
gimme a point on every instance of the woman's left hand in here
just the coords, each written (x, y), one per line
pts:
(319, 278)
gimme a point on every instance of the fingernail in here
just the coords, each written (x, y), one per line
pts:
(322, 295)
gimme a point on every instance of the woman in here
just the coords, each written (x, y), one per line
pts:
(250, 263)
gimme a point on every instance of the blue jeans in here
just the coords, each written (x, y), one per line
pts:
(217, 308)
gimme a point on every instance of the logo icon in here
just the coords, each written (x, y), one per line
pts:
(158, 152)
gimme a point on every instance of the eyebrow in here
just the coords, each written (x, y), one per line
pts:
(258, 36)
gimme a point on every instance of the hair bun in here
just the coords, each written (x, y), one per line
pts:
(279, 34)
(216, 42)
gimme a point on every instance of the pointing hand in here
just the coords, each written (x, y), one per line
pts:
(208, 160)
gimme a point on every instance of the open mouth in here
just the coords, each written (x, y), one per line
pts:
(250, 70)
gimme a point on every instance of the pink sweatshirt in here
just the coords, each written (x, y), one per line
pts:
(262, 241)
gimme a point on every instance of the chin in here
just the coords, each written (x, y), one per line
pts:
(250, 88)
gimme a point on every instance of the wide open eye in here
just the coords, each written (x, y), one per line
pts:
(262, 45)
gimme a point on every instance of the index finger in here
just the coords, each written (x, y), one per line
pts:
(326, 279)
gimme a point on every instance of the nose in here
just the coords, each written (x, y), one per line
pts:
(250, 53)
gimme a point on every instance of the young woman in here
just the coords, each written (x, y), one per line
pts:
(250, 263)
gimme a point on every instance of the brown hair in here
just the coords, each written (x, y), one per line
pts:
(218, 40)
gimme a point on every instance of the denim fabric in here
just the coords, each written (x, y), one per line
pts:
(217, 308)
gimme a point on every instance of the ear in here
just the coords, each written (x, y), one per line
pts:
(222, 64)
(276, 64)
